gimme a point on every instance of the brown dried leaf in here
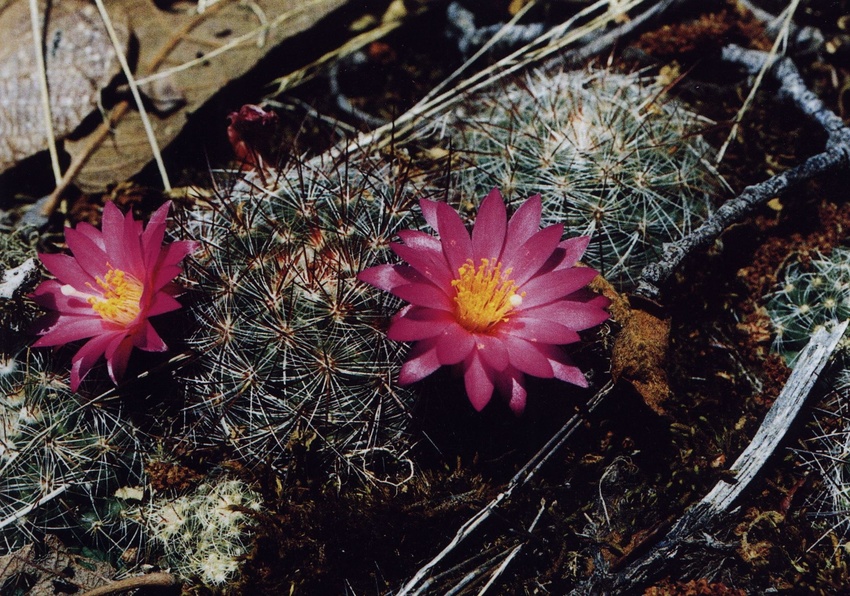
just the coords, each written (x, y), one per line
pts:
(51, 567)
(168, 39)
(80, 61)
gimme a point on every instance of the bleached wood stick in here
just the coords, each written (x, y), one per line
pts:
(716, 503)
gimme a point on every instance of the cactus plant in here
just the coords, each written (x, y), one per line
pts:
(809, 297)
(205, 533)
(827, 455)
(66, 462)
(290, 343)
(612, 157)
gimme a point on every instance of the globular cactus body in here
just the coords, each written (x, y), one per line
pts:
(809, 298)
(291, 345)
(611, 157)
(205, 533)
(66, 463)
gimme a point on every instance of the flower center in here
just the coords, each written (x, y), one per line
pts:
(117, 298)
(484, 295)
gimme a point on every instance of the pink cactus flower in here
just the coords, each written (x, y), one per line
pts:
(115, 281)
(498, 304)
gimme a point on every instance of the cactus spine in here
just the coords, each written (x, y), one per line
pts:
(610, 157)
(291, 346)
(66, 463)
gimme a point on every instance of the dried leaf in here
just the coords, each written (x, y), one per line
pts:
(80, 61)
(51, 567)
(170, 39)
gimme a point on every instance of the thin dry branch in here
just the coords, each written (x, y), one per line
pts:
(837, 155)
(549, 46)
(699, 518)
(420, 578)
(134, 583)
(38, 49)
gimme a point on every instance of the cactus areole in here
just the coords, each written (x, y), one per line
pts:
(498, 303)
(117, 278)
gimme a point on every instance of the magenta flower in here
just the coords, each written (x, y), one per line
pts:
(499, 304)
(114, 282)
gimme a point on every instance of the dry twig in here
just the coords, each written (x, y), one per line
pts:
(134, 583)
(419, 582)
(836, 155)
(699, 518)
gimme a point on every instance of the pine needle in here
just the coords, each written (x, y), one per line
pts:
(134, 89)
(45, 90)
(781, 38)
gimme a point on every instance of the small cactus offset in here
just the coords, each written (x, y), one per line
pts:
(810, 297)
(205, 534)
(611, 156)
(827, 455)
(65, 463)
(291, 345)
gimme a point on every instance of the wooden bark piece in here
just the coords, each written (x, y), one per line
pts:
(169, 39)
(698, 518)
(80, 61)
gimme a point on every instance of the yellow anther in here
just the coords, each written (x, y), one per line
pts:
(484, 296)
(119, 296)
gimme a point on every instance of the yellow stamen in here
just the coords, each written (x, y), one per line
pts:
(484, 295)
(119, 296)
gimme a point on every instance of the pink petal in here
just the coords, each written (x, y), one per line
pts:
(49, 295)
(563, 366)
(92, 233)
(599, 302)
(538, 331)
(148, 339)
(573, 315)
(91, 258)
(130, 236)
(113, 225)
(84, 359)
(434, 269)
(161, 303)
(478, 382)
(421, 362)
(421, 241)
(525, 222)
(168, 264)
(555, 285)
(429, 212)
(492, 351)
(454, 344)
(457, 246)
(488, 234)
(511, 385)
(117, 355)
(154, 233)
(425, 294)
(67, 270)
(413, 323)
(526, 357)
(526, 260)
(71, 328)
(387, 277)
(573, 250)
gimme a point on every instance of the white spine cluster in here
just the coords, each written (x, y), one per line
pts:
(611, 155)
(63, 462)
(206, 533)
(809, 298)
